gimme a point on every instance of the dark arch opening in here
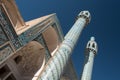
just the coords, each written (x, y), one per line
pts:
(89, 45)
(93, 45)
(18, 59)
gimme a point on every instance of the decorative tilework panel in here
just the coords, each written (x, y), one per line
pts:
(5, 52)
(3, 37)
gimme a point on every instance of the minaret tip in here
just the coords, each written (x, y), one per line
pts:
(92, 38)
(86, 15)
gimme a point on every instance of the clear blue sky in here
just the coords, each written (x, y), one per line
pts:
(104, 25)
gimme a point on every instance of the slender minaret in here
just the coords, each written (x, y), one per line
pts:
(91, 51)
(55, 66)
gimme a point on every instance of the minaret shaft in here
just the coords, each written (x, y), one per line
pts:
(55, 66)
(88, 66)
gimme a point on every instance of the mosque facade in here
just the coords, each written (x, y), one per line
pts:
(26, 48)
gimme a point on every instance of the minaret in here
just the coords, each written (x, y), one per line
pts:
(55, 66)
(91, 51)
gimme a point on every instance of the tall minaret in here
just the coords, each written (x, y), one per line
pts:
(55, 66)
(91, 51)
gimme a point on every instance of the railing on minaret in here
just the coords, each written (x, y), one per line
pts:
(91, 51)
(55, 66)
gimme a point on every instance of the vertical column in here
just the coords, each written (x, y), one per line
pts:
(91, 51)
(55, 66)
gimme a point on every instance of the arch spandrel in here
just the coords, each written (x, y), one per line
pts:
(52, 39)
